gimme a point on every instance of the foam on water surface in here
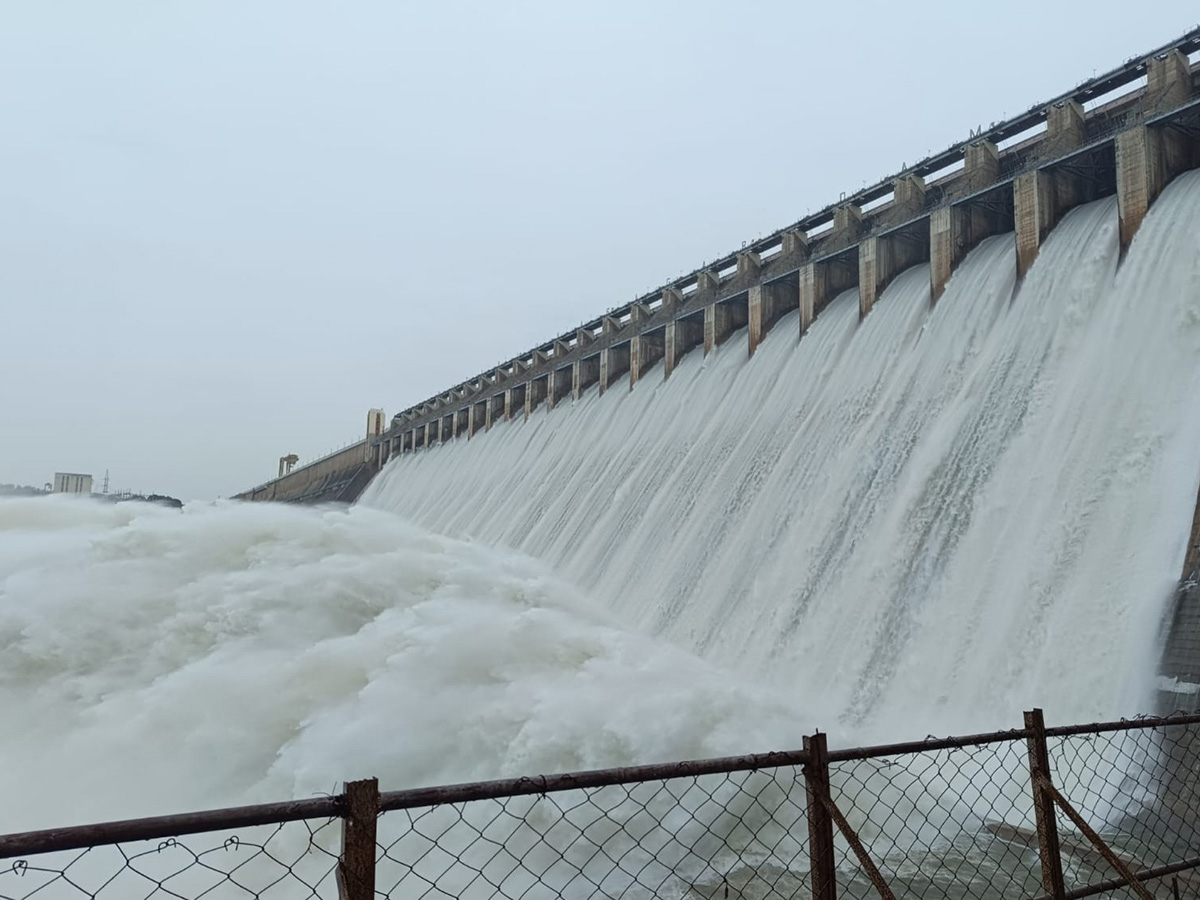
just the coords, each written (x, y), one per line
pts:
(156, 661)
(924, 522)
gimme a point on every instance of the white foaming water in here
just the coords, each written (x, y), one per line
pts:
(925, 522)
(155, 661)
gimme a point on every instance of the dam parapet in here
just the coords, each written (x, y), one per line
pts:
(1127, 132)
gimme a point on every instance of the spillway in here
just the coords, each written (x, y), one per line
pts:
(924, 522)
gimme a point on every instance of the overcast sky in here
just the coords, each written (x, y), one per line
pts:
(227, 229)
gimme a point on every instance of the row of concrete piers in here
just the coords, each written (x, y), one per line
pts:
(1021, 176)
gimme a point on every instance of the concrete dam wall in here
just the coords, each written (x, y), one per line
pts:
(1131, 146)
(934, 514)
(1021, 176)
(672, 471)
(339, 477)
(1127, 133)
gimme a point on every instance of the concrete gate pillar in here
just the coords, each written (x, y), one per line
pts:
(981, 166)
(812, 293)
(946, 242)
(1139, 178)
(637, 357)
(605, 363)
(1066, 129)
(679, 336)
(1168, 82)
(908, 195)
(875, 264)
(535, 393)
(716, 325)
(671, 353)
(1035, 214)
(761, 310)
(847, 220)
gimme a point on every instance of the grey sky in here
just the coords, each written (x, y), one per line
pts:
(227, 229)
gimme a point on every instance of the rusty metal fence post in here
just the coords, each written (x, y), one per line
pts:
(356, 866)
(1043, 805)
(820, 824)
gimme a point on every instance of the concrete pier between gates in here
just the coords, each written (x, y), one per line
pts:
(1109, 136)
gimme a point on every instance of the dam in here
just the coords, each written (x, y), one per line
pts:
(1070, 150)
(921, 464)
(543, 454)
(1127, 132)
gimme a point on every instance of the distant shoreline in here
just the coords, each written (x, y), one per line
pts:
(25, 490)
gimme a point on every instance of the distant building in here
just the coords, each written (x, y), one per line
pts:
(72, 483)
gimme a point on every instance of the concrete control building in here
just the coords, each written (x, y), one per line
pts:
(72, 483)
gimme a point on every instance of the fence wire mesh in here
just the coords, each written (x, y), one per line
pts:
(946, 823)
(1138, 789)
(287, 860)
(950, 819)
(727, 835)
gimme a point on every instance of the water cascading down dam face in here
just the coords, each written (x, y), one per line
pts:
(925, 521)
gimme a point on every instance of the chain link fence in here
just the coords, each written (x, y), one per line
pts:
(1137, 789)
(1031, 813)
(939, 823)
(285, 860)
(743, 831)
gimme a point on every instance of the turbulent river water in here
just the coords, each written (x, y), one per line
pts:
(924, 522)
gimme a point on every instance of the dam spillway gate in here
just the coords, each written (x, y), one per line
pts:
(1021, 175)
